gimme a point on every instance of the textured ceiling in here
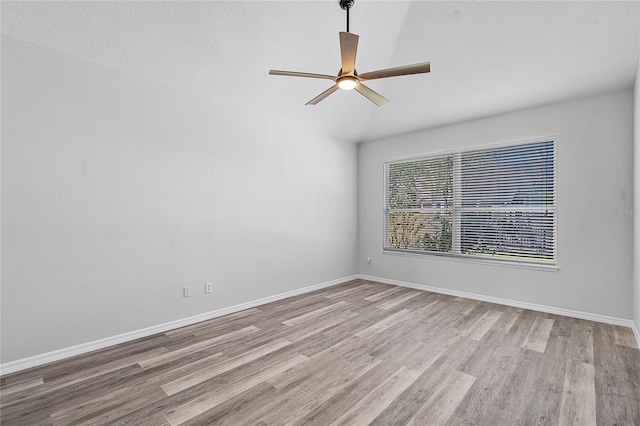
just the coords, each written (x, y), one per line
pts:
(486, 57)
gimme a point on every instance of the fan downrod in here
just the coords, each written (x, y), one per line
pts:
(346, 5)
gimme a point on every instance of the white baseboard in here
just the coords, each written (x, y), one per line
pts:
(508, 302)
(636, 333)
(57, 355)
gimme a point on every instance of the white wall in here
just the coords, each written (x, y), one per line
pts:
(636, 202)
(595, 141)
(117, 192)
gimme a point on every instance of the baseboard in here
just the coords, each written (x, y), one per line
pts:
(508, 302)
(57, 355)
(636, 333)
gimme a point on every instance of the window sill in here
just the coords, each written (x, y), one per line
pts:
(464, 259)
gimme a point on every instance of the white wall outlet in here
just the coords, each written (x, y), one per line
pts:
(368, 260)
(186, 291)
(208, 288)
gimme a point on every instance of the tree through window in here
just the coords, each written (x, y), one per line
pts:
(495, 203)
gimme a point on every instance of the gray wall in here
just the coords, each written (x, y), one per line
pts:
(595, 147)
(636, 202)
(117, 192)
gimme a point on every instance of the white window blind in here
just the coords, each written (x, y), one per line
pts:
(496, 203)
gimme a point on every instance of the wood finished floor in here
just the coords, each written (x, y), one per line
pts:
(355, 354)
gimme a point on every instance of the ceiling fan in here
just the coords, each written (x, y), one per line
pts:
(348, 78)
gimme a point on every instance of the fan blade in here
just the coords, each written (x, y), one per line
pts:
(372, 95)
(302, 74)
(420, 68)
(322, 95)
(348, 49)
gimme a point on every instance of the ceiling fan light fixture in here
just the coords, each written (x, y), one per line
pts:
(347, 82)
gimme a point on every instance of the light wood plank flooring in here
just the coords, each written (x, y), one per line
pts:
(355, 354)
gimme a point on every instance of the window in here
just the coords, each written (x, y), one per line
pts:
(495, 203)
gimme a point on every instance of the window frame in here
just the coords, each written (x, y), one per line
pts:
(457, 210)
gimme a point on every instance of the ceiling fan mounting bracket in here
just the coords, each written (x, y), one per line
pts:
(346, 4)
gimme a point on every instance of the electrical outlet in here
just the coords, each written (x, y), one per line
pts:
(208, 288)
(186, 291)
(368, 260)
